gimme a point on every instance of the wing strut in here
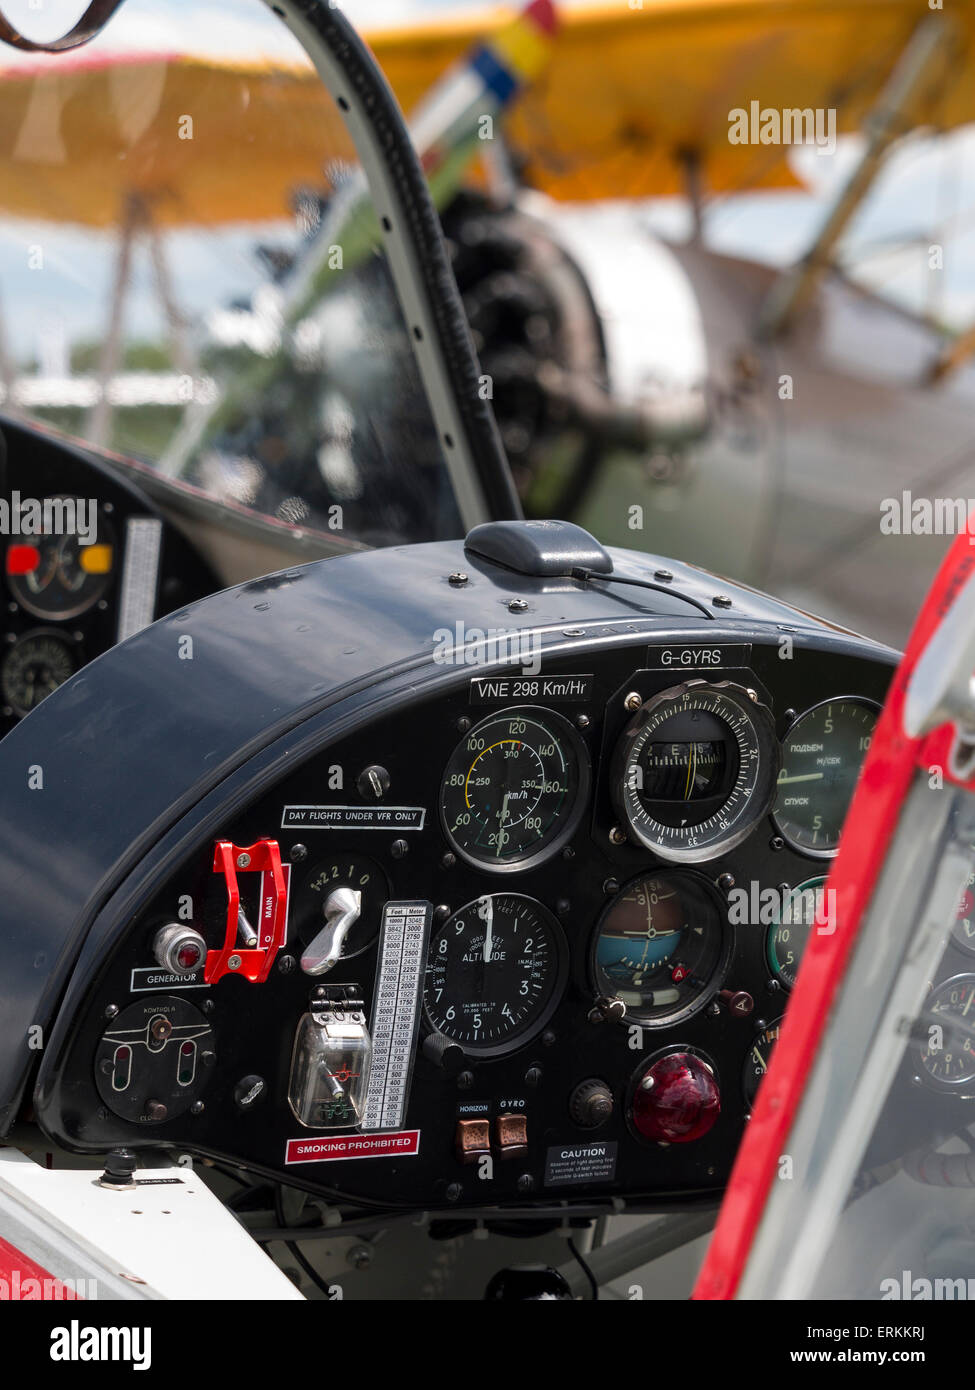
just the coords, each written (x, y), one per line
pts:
(930, 43)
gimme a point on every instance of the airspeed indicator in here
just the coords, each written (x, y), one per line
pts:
(514, 788)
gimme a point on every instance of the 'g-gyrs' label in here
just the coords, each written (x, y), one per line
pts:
(697, 658)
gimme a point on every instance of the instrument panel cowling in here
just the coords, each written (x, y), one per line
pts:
(145, 748)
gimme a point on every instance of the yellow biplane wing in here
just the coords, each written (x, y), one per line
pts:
(636, 88)
(79, 137)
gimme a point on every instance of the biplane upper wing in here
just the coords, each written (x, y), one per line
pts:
(82, 134)
(635, 89)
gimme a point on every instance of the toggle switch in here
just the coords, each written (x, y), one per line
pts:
(472, 1140)
(342, 910)
(511, 1133)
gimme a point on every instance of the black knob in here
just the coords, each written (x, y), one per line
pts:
(591, 1104)
(528, 1283)
(373, 782)
(119, 1167)
(444, 1053)
(737, 1001)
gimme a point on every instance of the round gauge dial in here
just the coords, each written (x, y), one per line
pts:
(947, 1053)
(757, 1060)
(514, 788)
(695, 769)
(35, 666)
(804, 909)
(963, 928)
(56, 577)
(494, 974)
(821, 758)
(661, 945)
(353, 871)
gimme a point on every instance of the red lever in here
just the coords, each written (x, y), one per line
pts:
(253, 962)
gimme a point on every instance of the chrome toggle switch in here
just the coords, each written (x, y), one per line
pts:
(342, 909)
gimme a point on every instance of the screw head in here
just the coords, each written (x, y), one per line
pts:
(726, 882)
(583, 721)
(399, 849)
(298, 853)
(286, 964)
(463, 724)
(517, 605)
(233, 963)
(457, 579)
(197, 1108)
(526, 1183)
(617, 836)
(665, 576)
(243, 860)
(776, 843)
(465, 1080)
(111, 1011)
(441, 912)
(454, 1192)
(449, 860)
(633, 701)
(721, 601)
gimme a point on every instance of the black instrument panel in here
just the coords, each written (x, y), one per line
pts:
(558, 1003)
(87, 560)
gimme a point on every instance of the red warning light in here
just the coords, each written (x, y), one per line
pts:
(23, 559)
(189, 955)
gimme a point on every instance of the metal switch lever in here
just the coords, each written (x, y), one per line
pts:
(342, 909)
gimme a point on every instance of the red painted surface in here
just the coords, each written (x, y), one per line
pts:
(22, 1280)
(887, 774)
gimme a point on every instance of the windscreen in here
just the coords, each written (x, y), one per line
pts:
(877, 1180)
(190, 275)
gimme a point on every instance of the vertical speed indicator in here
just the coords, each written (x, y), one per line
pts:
(514, 788)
